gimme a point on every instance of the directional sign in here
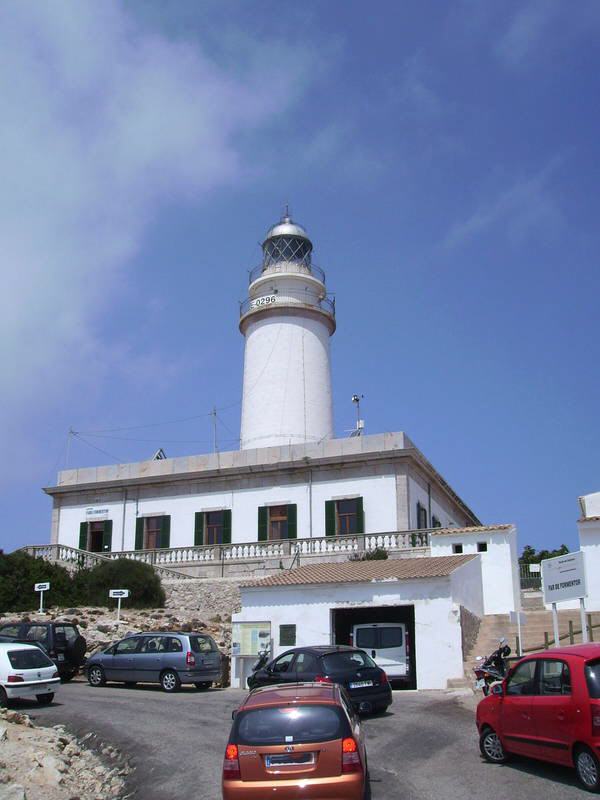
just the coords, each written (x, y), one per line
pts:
(118, 593)
(41, 587)
(563, 578)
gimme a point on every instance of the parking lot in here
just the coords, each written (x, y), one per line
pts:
(424, 748)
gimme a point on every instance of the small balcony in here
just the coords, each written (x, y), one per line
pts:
(290, 299)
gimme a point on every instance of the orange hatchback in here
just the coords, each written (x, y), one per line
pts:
(296, 741)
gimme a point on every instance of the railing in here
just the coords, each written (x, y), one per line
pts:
(290, 298)
(83, 559)
(294, 267)
(529, 579)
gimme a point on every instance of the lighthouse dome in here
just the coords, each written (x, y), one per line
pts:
(286, 242)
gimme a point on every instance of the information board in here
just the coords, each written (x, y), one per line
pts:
(249, 638)
(563, 578)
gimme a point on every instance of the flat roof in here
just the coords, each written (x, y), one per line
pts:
(262, 460)
(391, 569)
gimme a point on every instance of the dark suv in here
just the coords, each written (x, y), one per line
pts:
(61, 640)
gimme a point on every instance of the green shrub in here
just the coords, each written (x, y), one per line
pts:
(378, 554)
(19, 572)
(145, 589)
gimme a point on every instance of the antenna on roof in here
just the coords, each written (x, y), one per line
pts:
(160, 455)
(360, 423)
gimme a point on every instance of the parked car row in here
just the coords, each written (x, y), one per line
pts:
(61, 641)
(26, 672)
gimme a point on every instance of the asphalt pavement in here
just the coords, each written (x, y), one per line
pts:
(424, 748)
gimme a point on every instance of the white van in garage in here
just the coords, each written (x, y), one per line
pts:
(386, 643)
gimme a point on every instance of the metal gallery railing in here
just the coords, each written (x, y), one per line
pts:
(292, 267)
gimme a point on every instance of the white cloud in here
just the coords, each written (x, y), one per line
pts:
(527, 206)
(101, 120)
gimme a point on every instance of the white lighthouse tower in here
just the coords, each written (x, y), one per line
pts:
(287, 321)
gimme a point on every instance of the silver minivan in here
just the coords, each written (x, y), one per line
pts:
(168, 658)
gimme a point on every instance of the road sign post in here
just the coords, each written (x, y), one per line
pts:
(563, 578)
(41, 588)
(118, 595)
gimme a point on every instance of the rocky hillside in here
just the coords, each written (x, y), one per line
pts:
(51, 764)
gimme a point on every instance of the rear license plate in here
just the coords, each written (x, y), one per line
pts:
(289, 759)
(360, 684)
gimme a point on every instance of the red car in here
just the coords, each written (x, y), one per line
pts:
(547, 707)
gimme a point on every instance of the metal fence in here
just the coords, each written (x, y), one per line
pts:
(530, 579)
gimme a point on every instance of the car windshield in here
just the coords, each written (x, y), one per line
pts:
(28, 659)
(202, 644)
(347, 661)
(592, 676)
(290, 724)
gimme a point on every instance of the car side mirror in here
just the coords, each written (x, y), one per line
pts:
(498, 689)
(233, 714)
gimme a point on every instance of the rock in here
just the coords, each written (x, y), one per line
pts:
(13, 792)
(104, 628)
(3, 733)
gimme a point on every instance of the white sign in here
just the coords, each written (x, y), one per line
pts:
(563, 578)
(534, 568)
(96, 512)
(41, 587)
(267, 300)
(118, 593)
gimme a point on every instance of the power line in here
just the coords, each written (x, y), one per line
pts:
(100, 450)
(153, 440)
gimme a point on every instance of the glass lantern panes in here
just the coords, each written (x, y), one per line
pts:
(287, 248)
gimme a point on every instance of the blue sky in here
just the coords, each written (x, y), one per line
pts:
(445, 161)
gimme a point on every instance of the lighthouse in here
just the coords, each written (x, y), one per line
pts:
(287, 321)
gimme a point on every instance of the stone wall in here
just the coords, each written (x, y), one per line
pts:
(469, 624)
(208, 597)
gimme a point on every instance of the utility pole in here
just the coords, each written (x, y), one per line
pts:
(213, 414)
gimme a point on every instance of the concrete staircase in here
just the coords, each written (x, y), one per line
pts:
(538, 622)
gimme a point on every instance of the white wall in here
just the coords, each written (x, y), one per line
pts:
(437, 617)
(419, 494)
(589, 544)
(378, 492)
(499, 565)
(591, 504)
(466, 585)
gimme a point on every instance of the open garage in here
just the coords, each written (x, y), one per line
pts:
(321, 604)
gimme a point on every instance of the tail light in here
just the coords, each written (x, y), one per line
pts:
(323, 679)
(384, 678)
(231, 763)
(55, 674)
(595, 719)
(16, 679)
(350, 756)
(190, 659)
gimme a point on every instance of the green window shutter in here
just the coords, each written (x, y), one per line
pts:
(107, 536)
(83, 532)
(165, 531)
(263, 516)
(199, 529)
(360, 515)
(330, 518)
(139, 533)
(227, 526)
(292, 521)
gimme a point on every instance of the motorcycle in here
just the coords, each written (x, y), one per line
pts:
(493, 668)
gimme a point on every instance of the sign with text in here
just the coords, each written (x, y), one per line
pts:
(41, 587)
(96, 512)
(117, 593)
(563, 578)
(249, 638)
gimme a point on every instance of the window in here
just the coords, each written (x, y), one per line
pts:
(457, 549)
(592, 677)
(28, 659)
(298, 724)
(435, 523)
(212, 527)
(287, 635)
(522, 681)
(390, 637)
(421, 516)
(344, 517)
(174, 645)
(202, 644)
(9, 630)
(152, 533)
(307, 662)
(282, 664)
(366, 638)
(345, 660)
(154, 644)
(277, 522)
(482, 547)
(96, 537)
(69, 632)
(127, 646)
(555, 678)
(37, 633)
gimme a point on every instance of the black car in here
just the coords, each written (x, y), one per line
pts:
(365, 682)
(61, 640)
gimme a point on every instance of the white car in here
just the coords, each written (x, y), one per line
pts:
(26, 671)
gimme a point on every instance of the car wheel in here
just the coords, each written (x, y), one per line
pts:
(587, 767)
(203, 685)
(45, 699)
(3, 698)
(491, 747)
(67, 676)
(169, 681)
(96, 676)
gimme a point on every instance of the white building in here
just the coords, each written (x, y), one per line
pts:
(589, 543)
(293, 495)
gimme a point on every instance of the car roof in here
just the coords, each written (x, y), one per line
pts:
(5, 647)
(167, 633)
(585, 651)
(326, 649)
(286, 694)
